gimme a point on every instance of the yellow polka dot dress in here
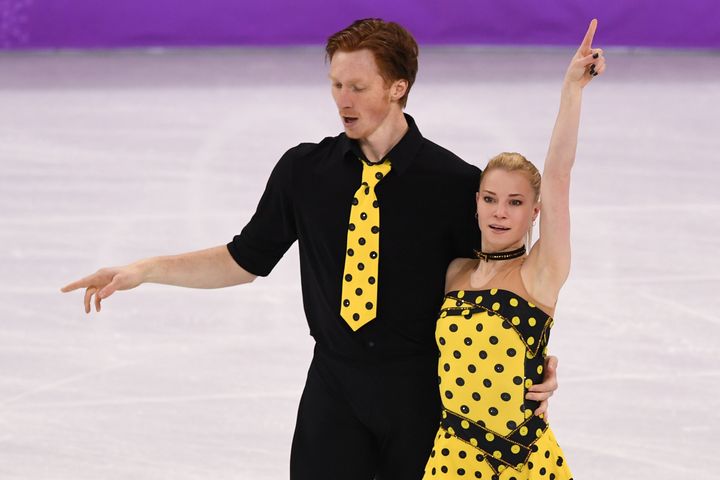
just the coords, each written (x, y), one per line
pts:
(492, 348)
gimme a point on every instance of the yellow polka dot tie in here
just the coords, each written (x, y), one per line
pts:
(360, 276)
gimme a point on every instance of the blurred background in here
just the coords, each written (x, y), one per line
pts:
(132, 129)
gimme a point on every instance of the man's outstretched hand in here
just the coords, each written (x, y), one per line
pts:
(105, 282)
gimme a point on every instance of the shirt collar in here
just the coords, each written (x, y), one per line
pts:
(401, 155)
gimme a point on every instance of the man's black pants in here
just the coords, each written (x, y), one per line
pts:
(366, 420)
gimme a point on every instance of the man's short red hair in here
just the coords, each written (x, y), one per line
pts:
(394, 48)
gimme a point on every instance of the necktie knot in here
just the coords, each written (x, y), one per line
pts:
(374, 172)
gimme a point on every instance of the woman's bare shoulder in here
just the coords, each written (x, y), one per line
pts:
(456, 272)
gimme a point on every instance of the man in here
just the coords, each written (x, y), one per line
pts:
(379, 212)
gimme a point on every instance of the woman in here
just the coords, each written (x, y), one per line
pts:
(495, 321)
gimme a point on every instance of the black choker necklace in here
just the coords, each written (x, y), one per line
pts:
(500, 255)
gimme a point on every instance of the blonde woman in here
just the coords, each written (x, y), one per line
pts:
(495, 320)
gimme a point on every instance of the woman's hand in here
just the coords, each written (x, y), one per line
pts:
(587, 63)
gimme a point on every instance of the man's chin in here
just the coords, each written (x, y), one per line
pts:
(350, 133)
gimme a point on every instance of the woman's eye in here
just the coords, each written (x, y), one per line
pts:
(487, 199)
(516, 202)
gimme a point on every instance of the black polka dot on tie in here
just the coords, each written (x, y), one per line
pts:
(379, 175)
(375, 204)
(547, 453)
(371, 280)
(441, 341)
(348, 278)
(468, 341)
(493, 340)
(476, 396)
(543, 471)
(460, 381)
(493, 411)
(446, 367)
(461, 471)
(445, 452)
(456, 354)
(511, 352)
(346, 302)
(363, 216)
(373, 255)
(444, 469)
(487, 383)
(367, 190)
(453, 327)
(350, 252)
(462, 454)
(559, 461)
(499, 368)
(479, 327)
(351, 227)
(375, 229)
(511, 425)
(369, 305)
(483, 354)
(358, 291)
(361, 266)
(356, 316)
(472, 368)
(479, 458)
(505, 396)
(355, 201)
(448, 394)
(361, 241)
(517, 380)
(464, 409)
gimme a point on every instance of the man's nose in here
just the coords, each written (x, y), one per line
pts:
(344, 98)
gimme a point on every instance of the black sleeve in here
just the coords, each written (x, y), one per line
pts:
(271, 230)
(466, 234)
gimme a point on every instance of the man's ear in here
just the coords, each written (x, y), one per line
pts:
(398, 89)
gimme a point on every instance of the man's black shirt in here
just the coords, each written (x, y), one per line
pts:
(427, 218)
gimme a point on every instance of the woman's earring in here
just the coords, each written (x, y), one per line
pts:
(475, 214)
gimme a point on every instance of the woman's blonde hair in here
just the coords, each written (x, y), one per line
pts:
(514, 162)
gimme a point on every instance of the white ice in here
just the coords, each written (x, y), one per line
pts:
(110, 157)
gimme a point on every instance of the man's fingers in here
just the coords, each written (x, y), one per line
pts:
(88, 295)
(542, 410)
(586, 44)
(82, 283)
(110, 288)
(539, 396)
(551, 363)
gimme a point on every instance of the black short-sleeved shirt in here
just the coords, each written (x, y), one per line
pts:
(427, 218)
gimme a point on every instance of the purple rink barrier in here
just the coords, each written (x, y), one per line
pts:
(43, 24)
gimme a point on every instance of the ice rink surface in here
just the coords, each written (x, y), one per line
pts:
(106, 158)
